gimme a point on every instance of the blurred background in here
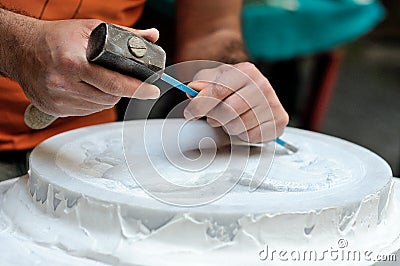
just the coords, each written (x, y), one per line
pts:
(365, 107)
(335, 64)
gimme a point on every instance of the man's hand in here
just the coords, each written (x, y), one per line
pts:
(51, 66)
(241, 100)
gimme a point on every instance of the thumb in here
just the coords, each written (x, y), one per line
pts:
(198, 85)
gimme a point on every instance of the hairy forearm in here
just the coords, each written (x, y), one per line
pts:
(16, 31)
(210, 29)
(220, 46)
(208, 16)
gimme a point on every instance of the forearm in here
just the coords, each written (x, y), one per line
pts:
(210, 29)
(16, 31)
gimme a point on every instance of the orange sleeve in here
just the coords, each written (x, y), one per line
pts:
(15, 135)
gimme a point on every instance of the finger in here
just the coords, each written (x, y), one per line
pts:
(228, 81)
(204, 77)
(151, 34)
(241, 101)
(198, 85)
(205, 102)
(84, 112)
(199, 107)
(73, 107)
(261, 133)
(87, 92)
(116, 84)
(221, 82)
(248, 120)
(222, 114)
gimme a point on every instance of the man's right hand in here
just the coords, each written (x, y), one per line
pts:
(48, 59)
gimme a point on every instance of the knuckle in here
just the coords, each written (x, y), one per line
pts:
(226, 109)
(213, 122)
(205, 105)
(115, 88)
(236, 127)
(193, 108)
(204, 75)
(201, 73)
(275, 105)
(238, 103)
(255, 136)
(260, 117)
(246, 66)
(282, 121)
(219, 91)
(264, 86)
(70, 63)
(53, 82)
(113, 101)
(246, 136)
(223, 113)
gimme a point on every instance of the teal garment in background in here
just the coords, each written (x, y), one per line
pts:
(275, 33)
(282, 29)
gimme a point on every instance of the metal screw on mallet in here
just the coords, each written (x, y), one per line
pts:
(137, 46)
